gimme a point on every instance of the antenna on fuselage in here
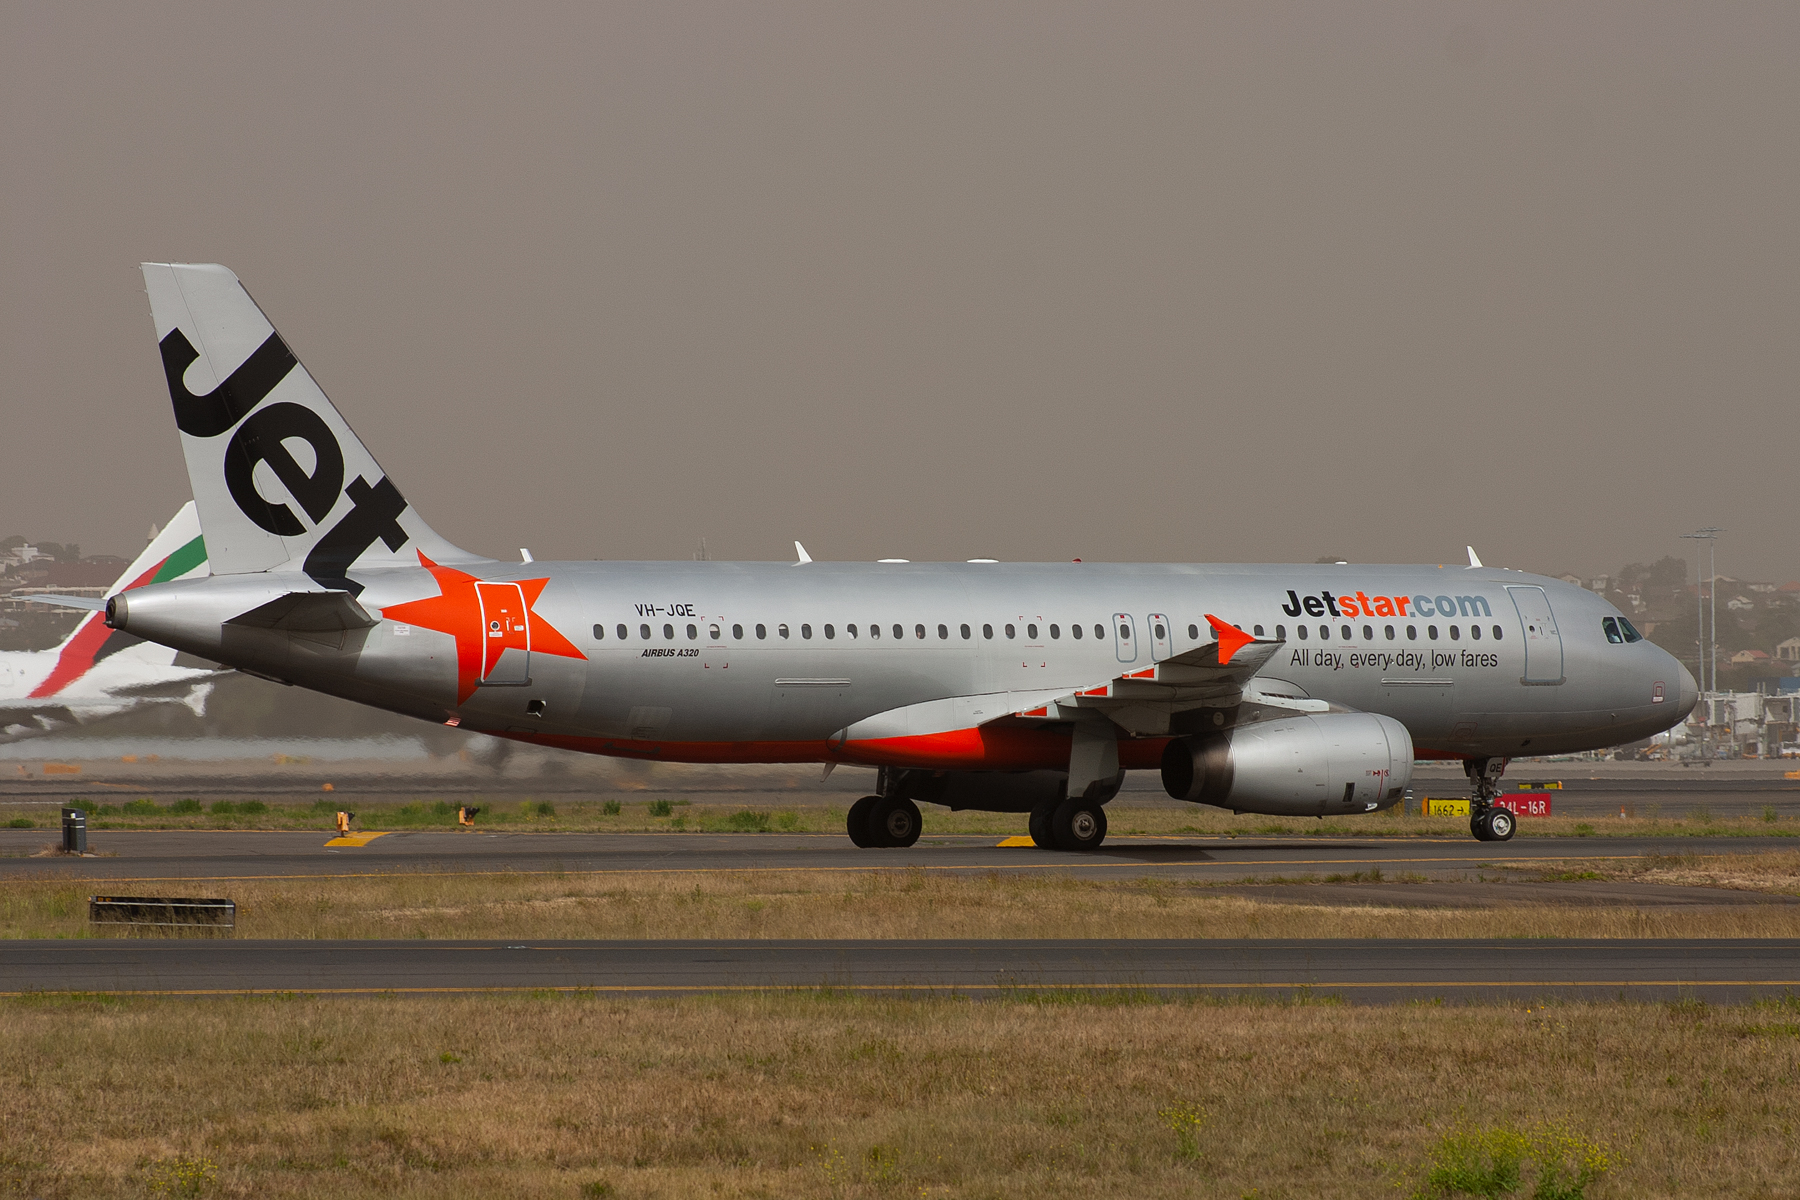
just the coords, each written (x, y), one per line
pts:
(804, 556)
(1474, 560)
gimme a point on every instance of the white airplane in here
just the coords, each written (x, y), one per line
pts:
(99, 672)
(1008, 687)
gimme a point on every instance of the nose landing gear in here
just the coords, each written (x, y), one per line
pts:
(1488, 821)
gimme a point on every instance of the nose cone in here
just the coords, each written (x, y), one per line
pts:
(1690, 694)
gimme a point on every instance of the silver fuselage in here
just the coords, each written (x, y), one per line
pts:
(691, 679)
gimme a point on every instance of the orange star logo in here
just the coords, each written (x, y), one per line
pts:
(486, 619)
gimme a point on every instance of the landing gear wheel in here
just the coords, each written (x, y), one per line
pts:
(895, 822)
(1040, 828)
(1079, 824)
(857, 824)
(1499, 824)
(1478, 827)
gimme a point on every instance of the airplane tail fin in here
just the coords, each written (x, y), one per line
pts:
(280, 479)
(178, 552)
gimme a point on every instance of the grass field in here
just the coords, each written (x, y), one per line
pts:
(916, 903)
(817, 1094)
(673, 814)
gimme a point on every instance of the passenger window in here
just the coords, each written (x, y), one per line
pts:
(1280, 631)
(1009, 632)
(899, 632)
(1031, 633)
(965, 631)
(1431, 632)
(1455, 633)
(1056, 632)
(669, 632)
(762, 631)
(1612, 631)
(943, 633)
(875, 631)
(1301, 630)
(781, 630)
(1496, 633)
(1412, 633)
(621, 631)
(1075, 631)
(644, 632)
(693, 632)
(1475, 632)
(850, 629)
(1325, 633)
(737, 633)
(1194, 632)
(1631, 633)
(1099, 632)
(1160, 631)
(830, 633)
(987, 631)
(599, 633)
(1347, 633)
(1259, 632)
(919, 630)
(714, 632)
(806, 632)
(1125, 631)
(1368, 633)
(1390, 632)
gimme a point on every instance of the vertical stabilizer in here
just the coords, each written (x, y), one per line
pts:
(178, 552)
(280, 480)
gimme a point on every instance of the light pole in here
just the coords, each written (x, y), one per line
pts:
(1704, 597)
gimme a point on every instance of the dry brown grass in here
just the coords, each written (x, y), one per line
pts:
(808, 1094)
(1777, 871)
(864, 904)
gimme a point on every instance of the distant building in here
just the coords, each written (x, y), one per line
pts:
(1748, 656)
(1740, 604)
(1788, 651)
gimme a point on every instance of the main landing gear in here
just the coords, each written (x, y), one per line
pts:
(884, 821)
(1076, 824)
(1488, 821)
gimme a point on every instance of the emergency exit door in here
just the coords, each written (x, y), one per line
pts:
(505, 635)
(1543, 642)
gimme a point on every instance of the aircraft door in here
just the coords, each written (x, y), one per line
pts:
(1125, 637)
(506, 635)
(1543, 642)
(1160, 633)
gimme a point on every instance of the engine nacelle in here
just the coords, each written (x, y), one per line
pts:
(1297, 766)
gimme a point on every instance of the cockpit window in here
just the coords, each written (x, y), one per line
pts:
(1611, 627)
(1631, 633)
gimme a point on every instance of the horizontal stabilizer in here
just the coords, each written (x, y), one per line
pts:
(308, 612)
(91, 603)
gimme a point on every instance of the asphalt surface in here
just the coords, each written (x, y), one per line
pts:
(1358, 971)
(146, 856)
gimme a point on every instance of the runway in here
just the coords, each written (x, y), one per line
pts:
(154, 856)
(1357, 971)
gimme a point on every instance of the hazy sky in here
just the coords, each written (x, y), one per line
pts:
(1033, 281)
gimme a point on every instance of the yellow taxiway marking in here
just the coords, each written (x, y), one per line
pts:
(1016, 841)
(356, 839)
(1510, 984)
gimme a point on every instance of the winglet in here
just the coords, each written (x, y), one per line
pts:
(804, 556)
(1473, 560)
(1231, 638)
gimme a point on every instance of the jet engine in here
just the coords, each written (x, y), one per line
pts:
(1297, 766)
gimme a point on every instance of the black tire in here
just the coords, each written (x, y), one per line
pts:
(1079, 824)
(1501, 824)
(1478, 827)
(895, 822)
(1040, 828)
(858, 825)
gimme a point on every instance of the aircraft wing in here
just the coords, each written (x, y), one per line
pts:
(1217, 675)
(90, 603)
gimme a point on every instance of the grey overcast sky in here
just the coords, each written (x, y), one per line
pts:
(1031, 281)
